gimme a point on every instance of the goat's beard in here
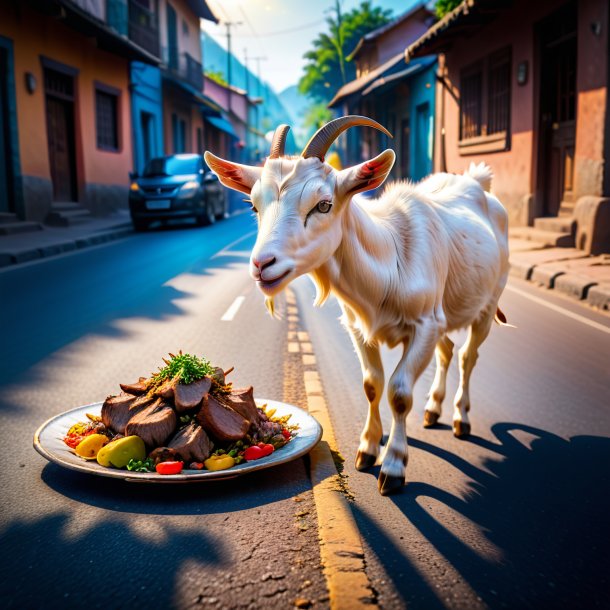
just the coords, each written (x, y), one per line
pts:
(270, 305)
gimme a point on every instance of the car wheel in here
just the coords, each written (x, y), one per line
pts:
(139, 225)
(223, 207)
(207, 217)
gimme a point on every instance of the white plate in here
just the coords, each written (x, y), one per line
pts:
(158, 204)
(48, 442)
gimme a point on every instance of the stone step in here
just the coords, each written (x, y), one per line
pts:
(65, 206)
(12, 228)
(566, 208)
(67, 218)
(544, 238)
(556, 224)
(7, 217)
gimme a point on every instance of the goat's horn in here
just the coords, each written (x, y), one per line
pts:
(323, 138)
(279, 141)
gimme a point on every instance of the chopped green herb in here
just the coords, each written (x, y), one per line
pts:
(185, 367)
(146, 465)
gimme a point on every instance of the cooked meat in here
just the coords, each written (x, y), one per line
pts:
(219, 375)
(221, 421)
(242, 401)
(188, 396)
(163, 454)
(192, 444)
(154, 424)
(166, 389)
(118, 410)
(135, 388)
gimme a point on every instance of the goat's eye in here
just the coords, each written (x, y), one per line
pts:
(324, 206)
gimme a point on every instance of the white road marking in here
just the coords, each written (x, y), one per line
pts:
(228, 247)
(565, 312)
(232, 311)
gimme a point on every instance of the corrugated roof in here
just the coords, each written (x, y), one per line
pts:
(462, 21)
(360, 83)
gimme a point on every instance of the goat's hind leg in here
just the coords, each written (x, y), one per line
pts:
(372, 378)
(468, 355)
(432, 411)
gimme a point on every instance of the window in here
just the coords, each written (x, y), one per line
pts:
(107, 118)
(498, 93)
(471, 103)
(485, 104)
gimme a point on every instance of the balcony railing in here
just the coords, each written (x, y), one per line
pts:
(184, 66)
(129, 18)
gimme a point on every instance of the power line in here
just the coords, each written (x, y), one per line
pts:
(282, 32)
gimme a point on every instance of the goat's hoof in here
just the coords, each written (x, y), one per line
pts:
(364, 461)
(430, 419)
(389, 484)
(461, 429)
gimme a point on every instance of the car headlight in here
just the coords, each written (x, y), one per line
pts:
(188, 189)
(134, 186)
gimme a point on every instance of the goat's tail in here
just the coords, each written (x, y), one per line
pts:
(482, 174)
(500, 319)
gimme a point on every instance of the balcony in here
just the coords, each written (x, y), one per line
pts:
(133, 20)
(184, 66)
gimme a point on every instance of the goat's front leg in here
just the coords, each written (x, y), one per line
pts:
(418, 350)
(443, 352)
(372, 378)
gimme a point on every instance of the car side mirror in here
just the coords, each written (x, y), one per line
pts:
(133, 175)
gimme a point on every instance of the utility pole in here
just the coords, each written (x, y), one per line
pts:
(247, 75)
(259, 109)
(229, 25)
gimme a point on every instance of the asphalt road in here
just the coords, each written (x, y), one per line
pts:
(517, 516)
(73, 328)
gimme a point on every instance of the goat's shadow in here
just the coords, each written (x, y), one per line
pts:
(545, 507)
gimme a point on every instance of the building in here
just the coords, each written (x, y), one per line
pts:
(523, 86)
(65, 124)
(397, 95)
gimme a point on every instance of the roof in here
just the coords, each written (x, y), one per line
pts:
(202, 10)
(414, 67)
(358, 84)
(463, 21)
(374, 34)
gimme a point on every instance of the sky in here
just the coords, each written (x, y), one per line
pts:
(280, 31)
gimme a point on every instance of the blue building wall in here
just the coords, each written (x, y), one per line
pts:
(147, 114)
(421, 113)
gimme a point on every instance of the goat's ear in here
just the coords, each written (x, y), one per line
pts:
(367, 175)
(233, 175)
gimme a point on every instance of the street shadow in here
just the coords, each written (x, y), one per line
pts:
(545, 508)
(106, 566)
(37, 325)
(197, 498)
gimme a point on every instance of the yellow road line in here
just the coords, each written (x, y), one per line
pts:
(341, 549)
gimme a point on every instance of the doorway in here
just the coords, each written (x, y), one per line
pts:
(59, 94)
(557, 113)
(6, 182)
(146, 128)
(405, 148)
(172, 38)
(422, 158)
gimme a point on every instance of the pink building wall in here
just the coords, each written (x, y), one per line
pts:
(515, 169)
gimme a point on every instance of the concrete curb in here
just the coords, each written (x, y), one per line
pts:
(12, 257)
(565, 274)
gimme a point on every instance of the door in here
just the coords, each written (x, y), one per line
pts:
(558, 42)
(59, 89)
(422, 158)
(405, 148)
(172, 38)
(5, 158)
(146, 127)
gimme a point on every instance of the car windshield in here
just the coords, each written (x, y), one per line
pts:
(171, 166)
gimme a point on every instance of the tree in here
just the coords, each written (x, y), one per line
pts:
(442, 7)
(327, 67)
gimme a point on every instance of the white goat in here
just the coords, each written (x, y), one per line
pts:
(422, 260)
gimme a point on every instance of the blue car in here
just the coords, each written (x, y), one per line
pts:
(177, 186)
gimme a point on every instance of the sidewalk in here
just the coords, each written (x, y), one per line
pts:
(50, 241)
(567, 270)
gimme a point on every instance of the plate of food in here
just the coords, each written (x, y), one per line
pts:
(182, 424)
